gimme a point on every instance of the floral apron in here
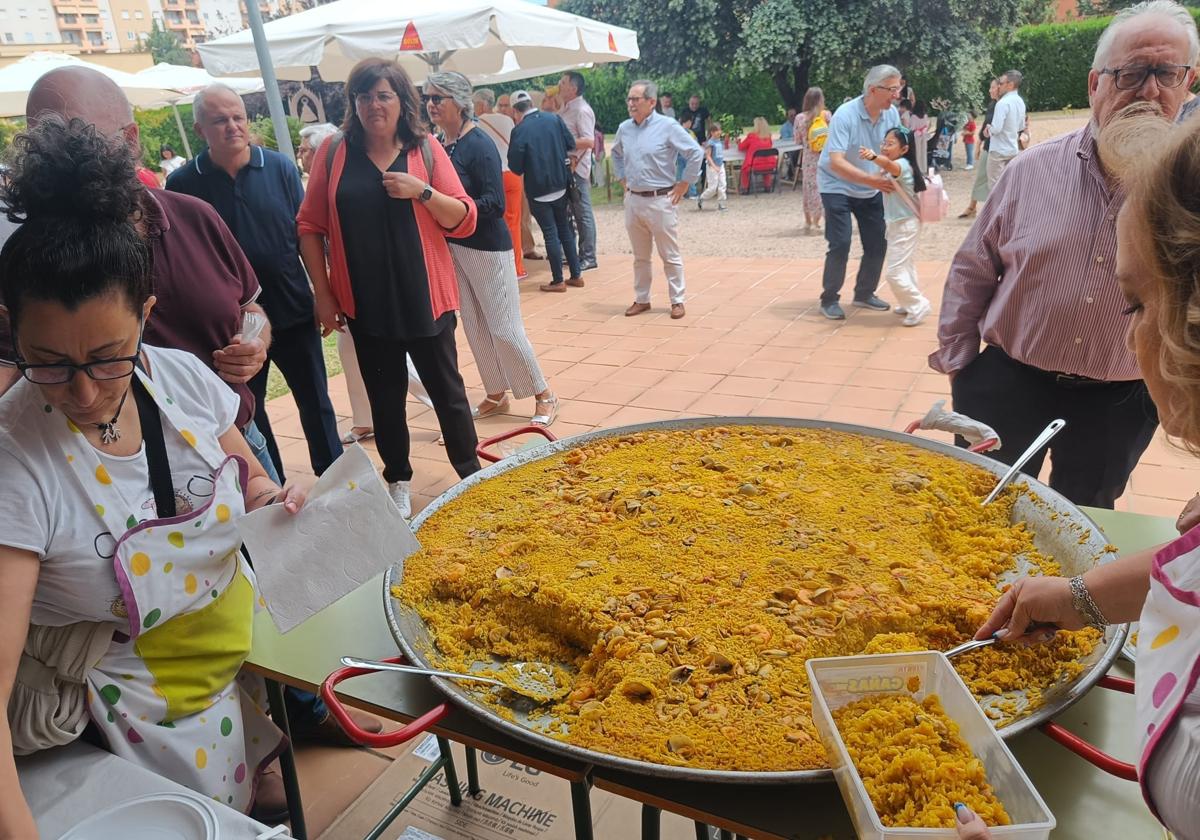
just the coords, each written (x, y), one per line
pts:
(1168, 648)
(167, 694)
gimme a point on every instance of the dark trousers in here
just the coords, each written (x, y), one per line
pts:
(868, 212)
(552, 217)
(385, 375)
(1109, 424)
(296, 351)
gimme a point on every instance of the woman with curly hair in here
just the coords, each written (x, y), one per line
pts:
(385, 199)
(122, 477)
(1158, 267)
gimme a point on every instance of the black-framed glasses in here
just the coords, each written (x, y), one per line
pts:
(383, 97)
(102, 370)
(434, 98)
(1133, 77)
(635, 98)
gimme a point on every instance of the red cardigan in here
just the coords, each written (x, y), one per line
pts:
(750, 144)
(318, 214)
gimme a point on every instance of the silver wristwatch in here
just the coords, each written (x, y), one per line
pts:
(1085, 605)
(426, 193)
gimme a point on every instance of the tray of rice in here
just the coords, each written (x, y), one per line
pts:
(678, 575)
(907, 740)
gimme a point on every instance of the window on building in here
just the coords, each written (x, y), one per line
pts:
(92, 19)
(96, 39)
(28, 37)
(130, 36)
(8, 36)
(138, 14)
(44, 13)
(68, 18)
(125, 15)
(22, 12)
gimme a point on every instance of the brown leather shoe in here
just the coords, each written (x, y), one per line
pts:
(329, 731)
(577, 282)
(677, 311)
(637, 309)
(270, 801)
(553, 287)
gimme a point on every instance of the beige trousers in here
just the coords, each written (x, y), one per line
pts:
(995, 167)
(653, 222)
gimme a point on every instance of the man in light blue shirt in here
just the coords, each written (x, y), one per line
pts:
(643, 156)
(1005, 129)
(852, 187)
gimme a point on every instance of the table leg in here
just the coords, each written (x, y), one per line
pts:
(451, 773)
(702, 832)
(287, 762)
(581, 808)
(473, 787)
(651, 822)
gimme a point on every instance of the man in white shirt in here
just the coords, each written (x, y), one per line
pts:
(1007, 124)
(581, 121)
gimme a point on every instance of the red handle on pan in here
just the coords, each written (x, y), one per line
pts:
(481, 449)
(1086, 751)
(981, 447)
(381, 739)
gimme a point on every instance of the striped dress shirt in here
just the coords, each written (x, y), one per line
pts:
(1036, 275)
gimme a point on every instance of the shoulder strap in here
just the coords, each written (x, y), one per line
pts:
(907, 199)
(427, 157)
(156, 450)
(492, 129)
(333, 146)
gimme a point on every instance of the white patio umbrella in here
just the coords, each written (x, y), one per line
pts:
(185, 82)
(486, 40)
(17, 79)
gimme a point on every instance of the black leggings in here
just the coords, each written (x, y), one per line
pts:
(385, 375)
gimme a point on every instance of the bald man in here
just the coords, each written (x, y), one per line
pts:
(204, 283)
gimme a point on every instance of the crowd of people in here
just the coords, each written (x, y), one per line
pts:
(414, 213)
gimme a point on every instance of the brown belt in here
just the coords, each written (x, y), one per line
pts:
(653, 193)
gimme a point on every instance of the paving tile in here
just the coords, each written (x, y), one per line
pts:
(612, 392)
(589, 413)
(723, 405)
(631, 415)
(789, 408)
(637, 376)
(665, 399)
(818, 372)
(588, 372)
(615, 358)
(761, 369)
(806, 392)
(879, 418)
(689, 381)
(745, 386)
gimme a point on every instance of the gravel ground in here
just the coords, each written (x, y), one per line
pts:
(772, 225)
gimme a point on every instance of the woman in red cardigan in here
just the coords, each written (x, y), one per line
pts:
(385, 218)
(759, 138)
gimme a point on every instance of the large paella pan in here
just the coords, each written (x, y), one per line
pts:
(1057, 529)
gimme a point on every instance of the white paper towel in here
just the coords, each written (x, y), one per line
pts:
(348, 531)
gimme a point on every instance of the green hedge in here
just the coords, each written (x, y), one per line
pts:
(1055, 58)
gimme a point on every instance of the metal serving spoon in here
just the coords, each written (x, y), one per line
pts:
(1050, 431)
(534, 680)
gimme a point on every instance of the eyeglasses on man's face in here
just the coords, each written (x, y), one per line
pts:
(635, 99)
(892, 89)
(1133, 76)
(383, 97)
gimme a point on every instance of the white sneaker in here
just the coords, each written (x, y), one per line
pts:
(969, 168)
(399, 491)
(900, 310)
(917, 314)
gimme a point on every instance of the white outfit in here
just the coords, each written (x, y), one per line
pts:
(717, 183)
(491, 316)
(654, 222)
(171, 164)
(499, 128)
(903, 233)
(360, 406)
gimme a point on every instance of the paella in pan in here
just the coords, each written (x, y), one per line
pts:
(682, 576)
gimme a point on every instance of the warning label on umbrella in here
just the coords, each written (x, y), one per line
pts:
(411, 40)
(612, 42)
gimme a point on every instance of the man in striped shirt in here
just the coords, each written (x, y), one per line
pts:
(1035, 280)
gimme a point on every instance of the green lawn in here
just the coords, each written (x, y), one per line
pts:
(276, 387)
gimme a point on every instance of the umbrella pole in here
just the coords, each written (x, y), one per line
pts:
(283, 137)
(187, 147)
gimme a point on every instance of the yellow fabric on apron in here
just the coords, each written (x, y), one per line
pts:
(167, 694)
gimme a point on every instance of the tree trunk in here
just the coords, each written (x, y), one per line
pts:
(792, 85)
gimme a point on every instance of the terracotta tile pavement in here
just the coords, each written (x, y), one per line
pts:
(753, 342)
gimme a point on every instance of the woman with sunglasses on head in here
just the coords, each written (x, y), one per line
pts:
(384, 198)
(899, 159)
(487, 277)
(120, 572)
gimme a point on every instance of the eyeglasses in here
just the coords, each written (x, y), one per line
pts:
(435, 99)
(888, 88)
(383, 97)
(1132, 78)
(61, 373)
(635, 98)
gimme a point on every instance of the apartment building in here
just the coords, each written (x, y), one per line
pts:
(127, 24)
(28, 22)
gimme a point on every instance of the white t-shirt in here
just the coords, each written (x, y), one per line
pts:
(171, 164)
(43, 506)
(500, 129)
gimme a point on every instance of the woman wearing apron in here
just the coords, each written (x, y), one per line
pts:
(1157, 235)
(122, 476)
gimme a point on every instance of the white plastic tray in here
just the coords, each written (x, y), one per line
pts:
(838, 681)
(156, 816)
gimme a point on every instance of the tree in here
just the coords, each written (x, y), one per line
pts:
(944, 42)
(164, 46)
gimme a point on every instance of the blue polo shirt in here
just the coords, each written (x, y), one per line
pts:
(849, 130)
(260, 207)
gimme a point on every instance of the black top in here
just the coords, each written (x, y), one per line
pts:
(260, 207)
(538, 150)
(987, 120)
(699, 119)
(478, 166)
(383, 253)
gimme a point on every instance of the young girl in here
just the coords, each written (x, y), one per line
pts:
(714, 156)
(898, 158)
(968, 138)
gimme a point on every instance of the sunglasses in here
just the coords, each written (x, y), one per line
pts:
(434, 98)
